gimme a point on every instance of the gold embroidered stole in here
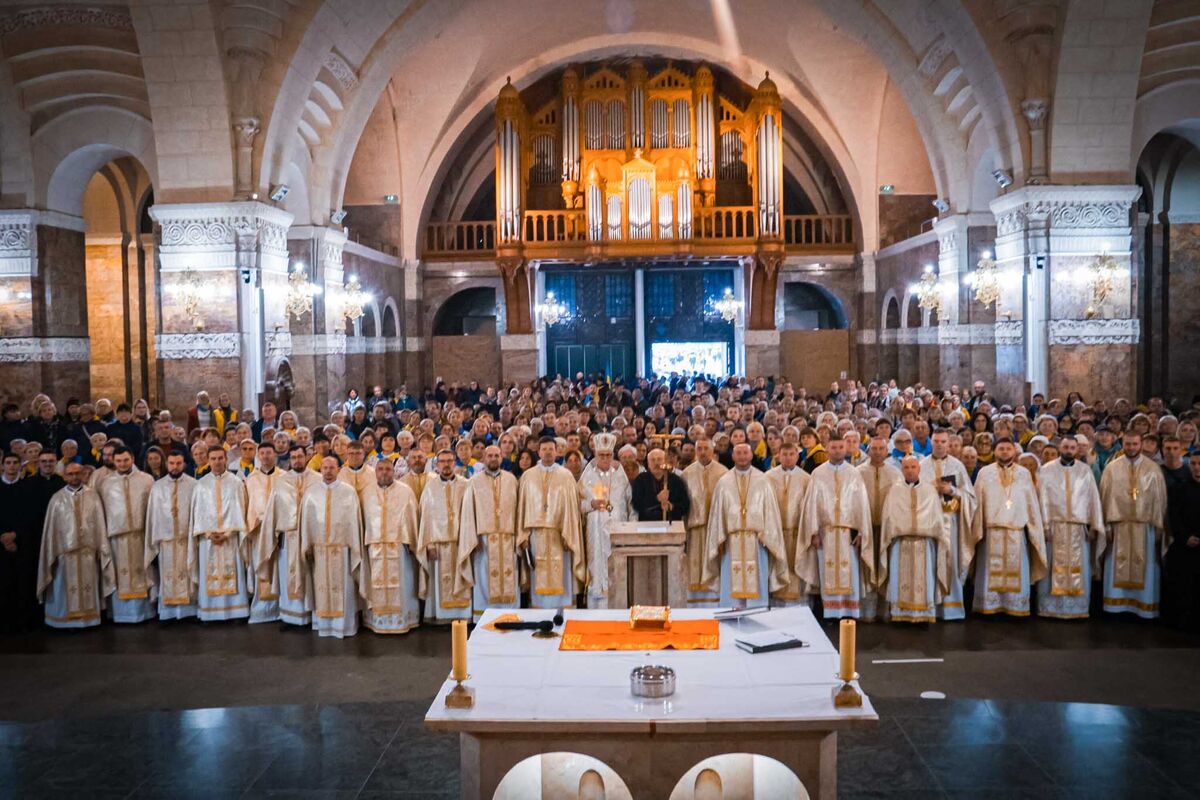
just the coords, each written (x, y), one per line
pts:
(743, 549)
(1129, 540)
(912, 590)
(129, 547)
(267, 589)
(501, 553)
(547, 546)
(173, 559)
(387, 573)
(837, 550)
(329, 572)
(447, 561)
(79, 569)
(1005, 543)
(295, 554)
(1068, 549)
(696, 536)
(790, 535)
(220, 575)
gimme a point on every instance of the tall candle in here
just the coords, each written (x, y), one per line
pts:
(458, 657)
(846, 649)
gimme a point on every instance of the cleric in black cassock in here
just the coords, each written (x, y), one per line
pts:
(649, 486)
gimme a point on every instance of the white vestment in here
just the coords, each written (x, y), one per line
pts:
(791, 489)
(168, 528)
(331, 540)
(279, 555)
(1007, 529)
(447, 594)
(878, 481)
(488, 539)
(548, 525)
(701, 480)
(914, 552)
(74, 563)
(389, 567)
(215, 558)
(744, 546)
(837, 511)
(264, 605)
(1074, 521)
(125, 498)
(1134, 496)
(612, 487)
(959, 511)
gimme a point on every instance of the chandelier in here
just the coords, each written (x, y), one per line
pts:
(353, 299)
(191, 295)
(986, 280)
(1101, 277)
(728, 306)
(552, 311)
(300, 293)
(928, 296)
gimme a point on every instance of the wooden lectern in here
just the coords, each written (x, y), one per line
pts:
(646, 566)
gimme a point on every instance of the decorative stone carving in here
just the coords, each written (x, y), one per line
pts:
(1094, 331)
(319, 345)
(1089, 215)
(1034, 110)
(222, 225)
(965, 334)
(934, 56)
(14, 236)
(340, 69)
(1010, 222)
(41, 350)
(867, 336)
(1009, 332)
(76, 16)
(279, 343)
(181, 346)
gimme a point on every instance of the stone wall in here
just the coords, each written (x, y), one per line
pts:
(106, 320)
(1183, 343)
(466, 358)
(814, 359)
(902, 216)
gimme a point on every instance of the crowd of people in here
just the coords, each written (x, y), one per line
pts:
(871, 501)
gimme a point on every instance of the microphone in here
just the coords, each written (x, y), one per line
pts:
(541, 625)
(558, 618)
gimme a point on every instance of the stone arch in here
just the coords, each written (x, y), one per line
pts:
(811, 306)
(561, 775)
(890, 312)
(737, 775)
(456, 314)
(371, 320)
(390, 327)
(910, 316)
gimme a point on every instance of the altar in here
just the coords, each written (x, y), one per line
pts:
(530, 698)
(646, 564)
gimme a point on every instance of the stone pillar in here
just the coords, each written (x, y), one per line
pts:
(865, 339)
(1064, 336)
(953, 360)
(413, 345)
(43, 306)
(230, 257)
(315, 344)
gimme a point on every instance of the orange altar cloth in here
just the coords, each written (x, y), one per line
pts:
(685, 634)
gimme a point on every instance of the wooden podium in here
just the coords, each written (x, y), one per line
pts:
(646, 566)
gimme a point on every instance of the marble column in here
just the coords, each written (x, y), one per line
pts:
(43, 307)
(1061, 336)
(315, 344)
(221, 266)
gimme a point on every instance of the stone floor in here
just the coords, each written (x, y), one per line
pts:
(189, 710)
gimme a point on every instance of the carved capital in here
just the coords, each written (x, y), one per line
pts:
(510, 267)
(1034, 110)
(246, 129)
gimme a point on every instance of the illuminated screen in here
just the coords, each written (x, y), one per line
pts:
(709, 358)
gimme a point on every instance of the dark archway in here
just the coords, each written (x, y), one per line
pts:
(914, 313)
(810, 306)
(891, 316)
(471, 312)
(390, 327)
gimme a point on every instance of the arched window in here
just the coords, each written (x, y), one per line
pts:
(891, 315)
(471, 312)
(391, 327)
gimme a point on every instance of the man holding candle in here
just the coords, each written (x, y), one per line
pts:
(836, 555)
(488, 537)
(604, 498)
(445, 577)
(331, 540)
(744, 547)
(548, 531)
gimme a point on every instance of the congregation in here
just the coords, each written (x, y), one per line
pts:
(870, 501)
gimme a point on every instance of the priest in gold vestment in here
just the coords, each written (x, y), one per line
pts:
(215, 558)
(879, 476)
(279, 556)
(331, 540)
(1075, 541)
(605, 497)
(389, 567)
(125, 494)
(744, 551)
(1007, 535)
(1134, 495)
(548, 530)
(417, 476)
(168, 539)
(355, 471)
(947, 475)
(790, 482)
(447, 595)
(701, 477)
(488, 537)
(260, 486)
(75, 570)
(914, 548)
(836, 554)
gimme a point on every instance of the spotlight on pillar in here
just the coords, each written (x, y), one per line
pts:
(391, 199)
(941, 205)
(279, 192)
(1003, 179)
(887, 188)
(336, 217)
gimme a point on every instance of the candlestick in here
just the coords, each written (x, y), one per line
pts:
(846, 649)
(458, 657)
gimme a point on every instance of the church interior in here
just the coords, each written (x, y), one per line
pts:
(279, 201)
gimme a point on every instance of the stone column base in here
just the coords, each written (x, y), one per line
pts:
(518, 358)
(762, 353)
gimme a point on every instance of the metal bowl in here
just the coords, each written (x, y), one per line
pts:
(652, 681)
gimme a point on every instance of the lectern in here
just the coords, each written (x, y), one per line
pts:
(646, 566)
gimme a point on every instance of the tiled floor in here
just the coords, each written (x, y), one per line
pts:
(921, 749)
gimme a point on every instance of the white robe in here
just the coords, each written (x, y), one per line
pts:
(914, 556)
(613, 487)
(389, 567)
(219, 507)
(1007, 529)
(701, 480)
(744, 548)
(75, 564)
(1134, 497)
(125, 498)
(952, 606)
(446, 593)
(548, 525)
(331, 540)
(488, 539)
(791, 488)
(168, 527)
(264, 605)
(279, 554)
(835, 510)
(1072, 514)
(878, 482)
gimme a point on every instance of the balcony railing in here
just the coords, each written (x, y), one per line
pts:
(721, 230)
